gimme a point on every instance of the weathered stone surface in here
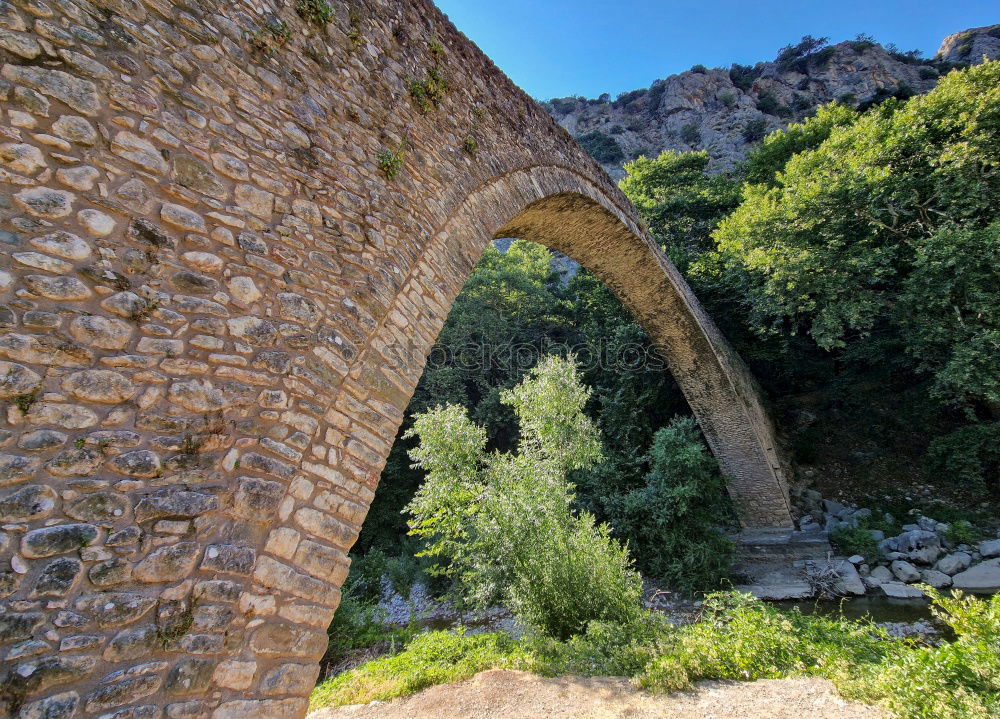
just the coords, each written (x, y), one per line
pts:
(57, 706)
(63, 244)
(19, 625)
(75, 129)
(99, 507)
(179, 504)
(33, 501)
(898, 590)
(99, 386)
(21, 157)
(100, 332)
(45, 202)
(60, 539)
(15, 469)
(67, 416)
(256, 498)
(74, 462)
(234, 674)
(167, 564)
(229, 558)
(16, 379)
(120, 693)
(132, 643)
(64, 288)
(190, 676)
(113, 609)
(197, 396)
(97, 223)
(57, 578)
(110, 573)
(261, 709)
(296, 679)
(138, 463)
(990, 548)
(79, 94)
(139, 151)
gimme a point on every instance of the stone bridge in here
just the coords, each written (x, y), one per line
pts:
(229, 237)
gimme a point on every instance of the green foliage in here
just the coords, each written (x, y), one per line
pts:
(796, 57)
(691, 134)
(769, 104)
(390, 161)
(743, 76)
(678, 511)
(728, 99)
(430, 91)
(855, 540)
(755, 130)
(699, 69)
(319, 12)
(738, 638)
(265, 40)
(603, 148)
(681, 204)
(969, 455)
(503, 522)
(765, 162)
(432, 658)
(962, 532)
(887, 200)
(471, 145)
(358, 625)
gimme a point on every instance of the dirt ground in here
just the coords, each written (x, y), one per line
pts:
(505, 694)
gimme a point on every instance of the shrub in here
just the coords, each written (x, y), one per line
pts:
(699, 69)
(603, 148)
(503, 521)
(679, 511)
(928, 73)
(962, 532)
(855, 540)
(728, 99)
(691, 134)
(768, 103)
(969, 455)
(743, 76)
(755, 130)
(862, 42)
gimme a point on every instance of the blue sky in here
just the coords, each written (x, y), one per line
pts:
(553, 48)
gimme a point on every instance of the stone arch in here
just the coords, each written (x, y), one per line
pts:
(228, 238)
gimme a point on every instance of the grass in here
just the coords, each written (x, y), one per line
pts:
(739, 638)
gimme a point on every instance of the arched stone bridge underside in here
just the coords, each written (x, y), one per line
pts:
(216, 304)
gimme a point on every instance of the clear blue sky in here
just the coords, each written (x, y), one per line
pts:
(554, 48)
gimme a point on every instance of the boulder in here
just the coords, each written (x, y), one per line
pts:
(984, 577)
(897, 590)
(938, 580)
(954, 563)
(990, 548)
(904, 571)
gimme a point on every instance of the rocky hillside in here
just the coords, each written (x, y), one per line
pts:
(726, 111)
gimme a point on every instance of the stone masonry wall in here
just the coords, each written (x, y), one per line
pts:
(228, 237)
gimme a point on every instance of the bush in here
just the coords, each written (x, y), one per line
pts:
(742, 76)
(728, 99)
(755, 130)
(962, 532)
(969, 456)
(603, 148)
(768, 103)
(691, 134)
(503, 522)
(699, 69)
(679, 512)
(855, 540)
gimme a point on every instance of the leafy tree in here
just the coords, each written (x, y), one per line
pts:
(850, 236)
(603, 148)
(503, 522)
(678, 511)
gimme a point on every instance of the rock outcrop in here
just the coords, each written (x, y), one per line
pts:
(727, 111)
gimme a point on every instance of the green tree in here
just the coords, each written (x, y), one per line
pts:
(885, 223)
(678, 512)
(503, 523)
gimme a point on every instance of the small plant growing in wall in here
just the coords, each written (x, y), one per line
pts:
(390, 161)
(354, 33)
(319, 12)
(470, 145)
(266, 40)
(430, 91)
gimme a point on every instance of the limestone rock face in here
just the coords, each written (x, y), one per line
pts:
(704, 109)
(971, 45)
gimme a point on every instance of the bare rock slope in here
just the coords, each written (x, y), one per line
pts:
(726, 111)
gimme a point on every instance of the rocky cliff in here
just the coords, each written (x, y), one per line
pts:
(727, 111)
